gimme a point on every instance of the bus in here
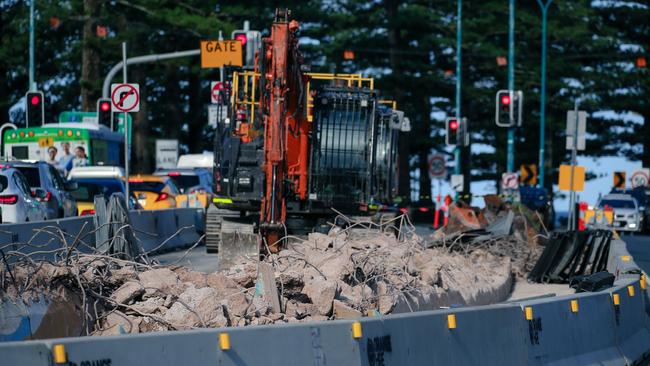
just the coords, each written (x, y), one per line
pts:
(102, 146)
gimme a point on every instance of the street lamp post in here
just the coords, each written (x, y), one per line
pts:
(542, 100)
(32, 83)
(511, 82)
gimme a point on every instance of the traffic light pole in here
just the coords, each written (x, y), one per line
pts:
(459, 37)
(32, 83)
(542, 99)
(511, 83)
(127, 148)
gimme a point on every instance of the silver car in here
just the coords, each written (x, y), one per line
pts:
(18, 202)
(627, 215)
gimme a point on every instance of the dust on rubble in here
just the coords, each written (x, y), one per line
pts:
(347, 273)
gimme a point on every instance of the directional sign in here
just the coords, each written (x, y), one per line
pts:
(437, 168)
(215, 54)
(528, 174)
(619, 180)
(457, 182)
(570, 129)
(166, 154)
(509, 181)
(125, 97)
(640, 178)
(578, 178)
(215, 92)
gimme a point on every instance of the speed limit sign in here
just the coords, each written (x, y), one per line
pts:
(640, 178)
(437, 168)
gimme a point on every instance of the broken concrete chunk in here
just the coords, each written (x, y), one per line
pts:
(321, 293)
(128, 292)
(342, 311)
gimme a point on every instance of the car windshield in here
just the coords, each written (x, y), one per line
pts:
(32, 174)
(185, 181)
(4, 183)
(88, 189)
(616, 203)
(147, 186)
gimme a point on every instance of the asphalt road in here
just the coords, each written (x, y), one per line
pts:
(196, 259)
(639, 248)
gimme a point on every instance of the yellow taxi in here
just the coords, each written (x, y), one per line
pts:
(194, 183)
(88, 188)
(156, 192)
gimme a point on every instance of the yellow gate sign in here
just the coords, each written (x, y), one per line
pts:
(215, 54)
(44, 142)
(578, 178)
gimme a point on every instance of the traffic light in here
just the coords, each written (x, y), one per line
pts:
(509, 104)
(456, 132)
(104, 112)
(34, 109)
(250, 41)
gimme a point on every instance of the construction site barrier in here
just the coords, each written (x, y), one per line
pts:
(607, 327)
(157, 229)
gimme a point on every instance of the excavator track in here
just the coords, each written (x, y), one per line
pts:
(213, 219)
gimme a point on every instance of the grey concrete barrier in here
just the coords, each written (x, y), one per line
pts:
(42, 239)
(601, 328)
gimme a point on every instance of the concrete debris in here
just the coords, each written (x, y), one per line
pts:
(348, 273)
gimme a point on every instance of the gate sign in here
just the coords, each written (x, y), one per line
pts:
(509, 181)
(619, 180)
(215, 54)
(125, 97)
(640, 178)
(215, 92)
(437, 168)
(528, 174)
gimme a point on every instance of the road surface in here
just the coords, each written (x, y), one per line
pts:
(639, 248)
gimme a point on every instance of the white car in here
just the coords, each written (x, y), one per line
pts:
(99, 171)
(17, 201)
(196, 161)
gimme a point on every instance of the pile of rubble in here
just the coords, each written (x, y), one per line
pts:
(500, 228)
(346, 274)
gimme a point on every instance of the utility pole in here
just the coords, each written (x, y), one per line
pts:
(574, 152)
(542, 99)
(459, 37)
(32, 82)
(127, 147)
(511, 83)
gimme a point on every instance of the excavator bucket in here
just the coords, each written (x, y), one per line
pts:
(238, 243)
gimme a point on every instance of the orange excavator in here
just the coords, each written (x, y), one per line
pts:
(291, 150)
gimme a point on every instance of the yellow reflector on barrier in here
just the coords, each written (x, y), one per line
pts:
(451, 321)
(630, 290)
(529, 312)
(58, 351)
(574, 306)
(356, 330)
(224, 341)
(642, 282)
(221, 200)
(626, 258)
(616, 299)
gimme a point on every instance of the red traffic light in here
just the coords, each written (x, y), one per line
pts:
(241, 37)
(505, 99)
(453, 125)
(105, 106)
(35, 100)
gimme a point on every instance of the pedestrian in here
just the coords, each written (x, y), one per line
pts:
(80, 158)
(51, 154)
(65, 163)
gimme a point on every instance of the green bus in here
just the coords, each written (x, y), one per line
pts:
(103, 146)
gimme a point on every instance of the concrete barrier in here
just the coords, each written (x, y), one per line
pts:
(603, 328)
(44, 239)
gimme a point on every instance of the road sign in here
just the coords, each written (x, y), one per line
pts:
(509, 181)
(125, 97)
(570, 129)
(215, 92)
(166, 154)
(215, 54)
(437, 168)
(528, 174)
(578, 178)
(640, 178)
(619, 180)
(457, 182)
